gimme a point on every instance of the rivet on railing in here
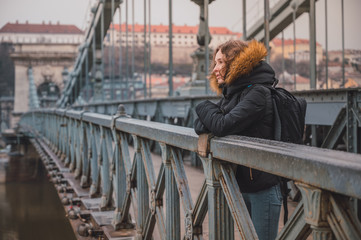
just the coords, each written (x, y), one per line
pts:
(129, 183)
(152, 201)
(188, 224)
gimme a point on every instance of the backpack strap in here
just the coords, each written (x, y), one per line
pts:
(277, 120)
(277, 136)
(284, 192)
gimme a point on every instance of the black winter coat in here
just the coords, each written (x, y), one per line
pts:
(245, 109)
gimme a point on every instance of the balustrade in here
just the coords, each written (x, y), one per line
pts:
(97, 149)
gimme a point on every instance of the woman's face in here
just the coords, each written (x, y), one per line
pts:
(220, 67)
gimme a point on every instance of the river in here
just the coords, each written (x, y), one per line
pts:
(29, 207)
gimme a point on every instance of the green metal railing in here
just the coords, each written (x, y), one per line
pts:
(96, 148)
(333, 116)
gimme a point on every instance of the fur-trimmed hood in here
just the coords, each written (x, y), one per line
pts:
(247, 68)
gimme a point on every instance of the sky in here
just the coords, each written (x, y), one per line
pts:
(227, 13)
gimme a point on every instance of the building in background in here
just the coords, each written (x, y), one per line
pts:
(184, 45)
(184, 40)
(286, 73)
(50, 50)
(47, 49)
(302, 49)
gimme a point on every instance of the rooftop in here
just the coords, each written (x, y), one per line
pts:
(278, 42)
(176, 29)
(40, 28)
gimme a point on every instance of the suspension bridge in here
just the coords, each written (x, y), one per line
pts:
(135, 169)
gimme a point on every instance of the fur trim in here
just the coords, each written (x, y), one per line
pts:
(242, 64)
(214, 84)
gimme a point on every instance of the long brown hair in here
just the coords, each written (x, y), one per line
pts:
(230, 50)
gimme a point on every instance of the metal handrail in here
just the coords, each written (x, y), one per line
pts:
(326, 178)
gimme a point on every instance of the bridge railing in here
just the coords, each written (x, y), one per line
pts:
(333, 117)
(173, 110)
(96, 148)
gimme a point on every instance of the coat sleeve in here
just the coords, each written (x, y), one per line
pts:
(249, 110)
(199, 127)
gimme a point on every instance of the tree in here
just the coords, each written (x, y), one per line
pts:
(303, 69)
(277, 65)
(321, 73)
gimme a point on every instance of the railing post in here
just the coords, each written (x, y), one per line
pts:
(64, 138)
(316, 209)
(172, 197)
(75, 163)
(142, 187)
(84, 181)
(57, 126)
(352, 115)
(96, 146)
(121, 217)
(71, 158)
(220, 219)
(106, 171)
(81, 154)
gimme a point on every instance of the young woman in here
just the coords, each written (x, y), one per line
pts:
(240, 74)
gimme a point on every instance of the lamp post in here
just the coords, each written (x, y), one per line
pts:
(199, 84)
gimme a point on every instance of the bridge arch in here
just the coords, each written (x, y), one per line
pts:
(48, 92)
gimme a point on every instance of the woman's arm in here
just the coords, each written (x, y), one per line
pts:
(199, 128)
(245, 113)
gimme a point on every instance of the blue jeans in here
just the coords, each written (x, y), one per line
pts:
(265, 207)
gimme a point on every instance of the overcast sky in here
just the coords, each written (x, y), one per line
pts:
(226, 13)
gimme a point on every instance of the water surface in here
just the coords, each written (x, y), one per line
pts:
(30, 209)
